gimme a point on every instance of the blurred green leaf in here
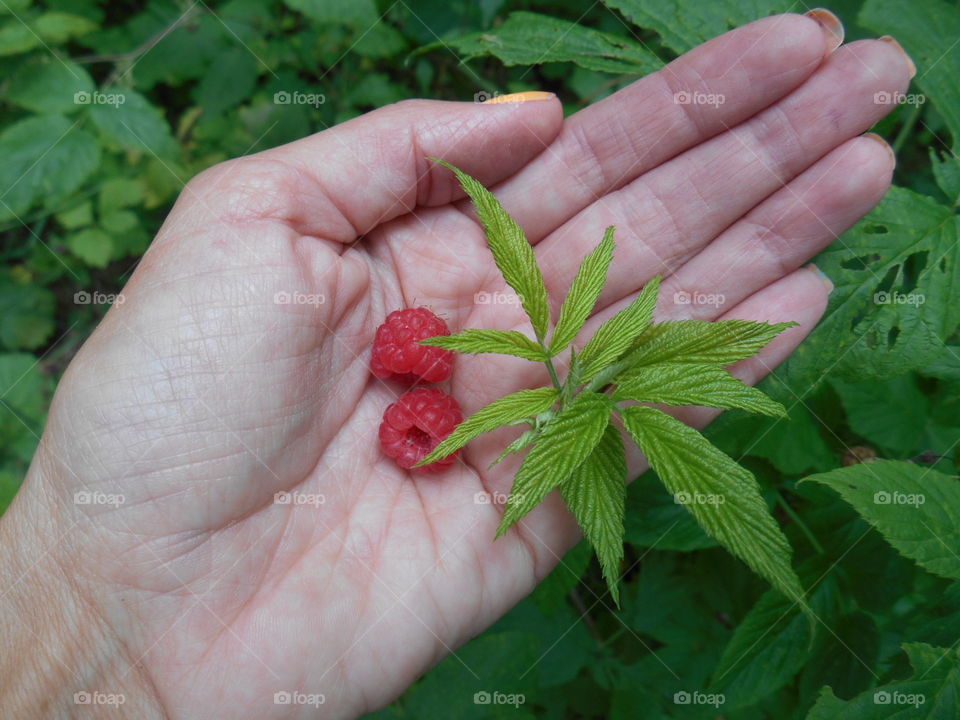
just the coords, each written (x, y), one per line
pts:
(128, 120)
(92, 245)
(49, 85)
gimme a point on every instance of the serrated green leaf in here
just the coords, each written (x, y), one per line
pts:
(892, 414)
(615, 336)
(721, 342)
(596, 495)
(916, 509)
(947, 173)
(723, 497)
(505, 342)
(49, 85)
(511, 251)
(683, 25)
(584, 291)
(693, 384)
(127, 120)
(770, 645)
(932, 693)
(566, 441)
(929, 34)
(45, 158)
(516, 406)
(897, 294)
(526, 38)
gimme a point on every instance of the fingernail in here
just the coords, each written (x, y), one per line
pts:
(832, 27)
(519, 97)
(827, 283)
(890, 41)
(886, 145)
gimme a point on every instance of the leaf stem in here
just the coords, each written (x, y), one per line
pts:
(907, 127)
(792, 514)
(553, 374)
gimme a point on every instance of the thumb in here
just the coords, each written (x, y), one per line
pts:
(373, 168)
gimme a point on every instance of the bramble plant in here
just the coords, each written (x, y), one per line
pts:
(574, 437)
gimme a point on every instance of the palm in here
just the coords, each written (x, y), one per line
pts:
(220, 397)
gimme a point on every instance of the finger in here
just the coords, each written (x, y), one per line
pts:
(608, 144)
(342, 182)
(783, 232)
(670, 213)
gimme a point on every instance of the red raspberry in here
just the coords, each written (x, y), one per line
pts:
(397, 353)
(415, 424)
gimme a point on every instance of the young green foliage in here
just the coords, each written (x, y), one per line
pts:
(573, 442)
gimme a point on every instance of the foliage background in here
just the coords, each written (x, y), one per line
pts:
(84, 186)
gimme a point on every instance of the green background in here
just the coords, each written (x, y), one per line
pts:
(85, 185)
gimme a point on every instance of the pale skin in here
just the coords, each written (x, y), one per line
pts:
(200, 397)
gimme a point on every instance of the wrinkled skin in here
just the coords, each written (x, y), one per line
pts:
(200, 397)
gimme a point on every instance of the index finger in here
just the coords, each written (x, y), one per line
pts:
(605, 146)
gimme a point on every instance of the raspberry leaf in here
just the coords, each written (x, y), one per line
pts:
(584, 291)
(504, 342)
(617, 335)
(516, 406)
(566, 441)
(723, 496)
(511, 250)
(693, 384)
(596, 494)
(699, 341)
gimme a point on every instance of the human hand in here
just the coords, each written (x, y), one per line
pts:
(203, 394)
